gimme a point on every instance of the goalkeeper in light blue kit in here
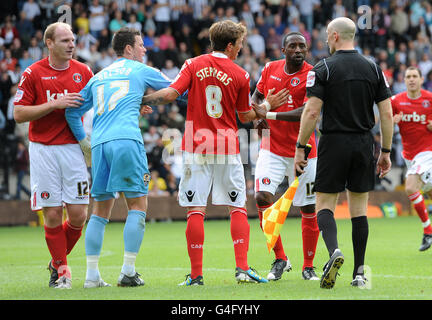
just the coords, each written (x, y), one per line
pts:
(117, 154)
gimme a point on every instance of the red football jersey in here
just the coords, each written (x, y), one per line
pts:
(283, 134)
(416, 113)
(217, 87)
(41, 83)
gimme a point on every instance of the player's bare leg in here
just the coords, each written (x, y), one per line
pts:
(413, 185)
(281, 263)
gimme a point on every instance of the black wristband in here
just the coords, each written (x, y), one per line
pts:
(385, 150)
(298, 145)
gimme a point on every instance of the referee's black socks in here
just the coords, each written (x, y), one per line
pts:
(360, 232)
(328, 228)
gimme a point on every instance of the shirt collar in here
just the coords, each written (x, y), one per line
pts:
(219, 55)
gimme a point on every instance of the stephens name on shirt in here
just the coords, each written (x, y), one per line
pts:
(213, 72)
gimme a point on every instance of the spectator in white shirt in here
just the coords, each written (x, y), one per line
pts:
(425, 64)
(97, 19)
(257, 42)
(31, 9)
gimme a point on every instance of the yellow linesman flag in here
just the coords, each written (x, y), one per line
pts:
(274, 216)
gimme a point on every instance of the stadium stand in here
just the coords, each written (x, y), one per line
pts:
(175, 30)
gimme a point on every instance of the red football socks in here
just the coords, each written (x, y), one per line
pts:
(420, 207)
(195, 241)
(73, 234)
(240, 235)
(57, 244)
(310, 235)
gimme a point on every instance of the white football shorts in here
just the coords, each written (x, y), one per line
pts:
(58, 174)
(421, 164)
(271, 169)
(223, 175)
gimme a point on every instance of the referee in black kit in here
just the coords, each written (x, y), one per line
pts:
(344, 87)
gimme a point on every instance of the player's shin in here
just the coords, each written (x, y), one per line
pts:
(133, 234)
(195, 241)
(240, 235)
(94, 236)
(310, 235)
(419, 205)
(56, 242)
(73, 233)
(261, 209)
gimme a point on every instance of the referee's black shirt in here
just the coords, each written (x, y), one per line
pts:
(348, 84)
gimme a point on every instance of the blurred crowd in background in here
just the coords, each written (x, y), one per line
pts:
(396, 36)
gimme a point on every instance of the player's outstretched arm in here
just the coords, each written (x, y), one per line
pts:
(159, 97)
(292, 116)
(73, 118)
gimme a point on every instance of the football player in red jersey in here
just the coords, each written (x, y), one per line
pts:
(217, 88)
(412, 111)
(58, 171)
(275, 159)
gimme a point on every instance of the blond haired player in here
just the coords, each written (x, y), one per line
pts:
(58, 172)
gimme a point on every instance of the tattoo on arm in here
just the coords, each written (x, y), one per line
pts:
(152, 101)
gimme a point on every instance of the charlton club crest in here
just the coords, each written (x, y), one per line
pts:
(295, 82)
(77, 77)
(266, 181)
(45, 195)
(425, 103)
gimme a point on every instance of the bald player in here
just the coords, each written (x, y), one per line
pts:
(345, 87)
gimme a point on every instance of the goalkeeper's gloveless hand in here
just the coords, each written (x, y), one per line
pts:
(85, 145)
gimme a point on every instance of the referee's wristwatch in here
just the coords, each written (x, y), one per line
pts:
(301, 146)
(384, 150)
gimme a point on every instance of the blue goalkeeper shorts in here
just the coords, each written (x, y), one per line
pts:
(119, 166)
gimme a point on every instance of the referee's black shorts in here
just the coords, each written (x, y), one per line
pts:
(345, 161)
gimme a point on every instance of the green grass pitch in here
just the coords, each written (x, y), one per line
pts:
(397, 270)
